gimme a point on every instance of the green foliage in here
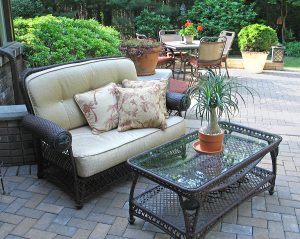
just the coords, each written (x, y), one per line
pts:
(216, 94)
(217, 16)
(52, 40)
(135, 48)
(149, 23)
(188, 29)
(292, 62)
(257, 37)
(293, 49)
(27, 8)
(129, 4)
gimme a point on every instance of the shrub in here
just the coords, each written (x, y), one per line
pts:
(52, 40)
(293, 49)
(27, 8)
(216, 15)
(149, 23)
(257, 37)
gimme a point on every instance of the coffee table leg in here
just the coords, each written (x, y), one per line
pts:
(131, 219)
(274, 155)
(190, 209)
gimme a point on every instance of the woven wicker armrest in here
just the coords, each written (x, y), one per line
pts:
(49, 132)
(178, 101)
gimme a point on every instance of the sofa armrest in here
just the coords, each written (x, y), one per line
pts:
(178, 101)
(49, 132)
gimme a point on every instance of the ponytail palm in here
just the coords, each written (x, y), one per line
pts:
(216, 95)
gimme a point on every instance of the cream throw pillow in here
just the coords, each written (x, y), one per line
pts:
(162, 84)
(100, 107)
(140, 109)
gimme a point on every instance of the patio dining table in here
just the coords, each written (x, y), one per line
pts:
(182, 46)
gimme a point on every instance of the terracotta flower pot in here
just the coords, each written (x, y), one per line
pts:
(146, 64)
(211, 143)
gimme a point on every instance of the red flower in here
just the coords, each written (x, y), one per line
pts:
(187, 24)
(200, 28)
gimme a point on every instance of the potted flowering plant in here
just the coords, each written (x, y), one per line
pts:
(144, 54)
(189, 31)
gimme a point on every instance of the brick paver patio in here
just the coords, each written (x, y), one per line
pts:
(34, 208)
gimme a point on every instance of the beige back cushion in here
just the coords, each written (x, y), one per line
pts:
(52, 91)
(211, 51)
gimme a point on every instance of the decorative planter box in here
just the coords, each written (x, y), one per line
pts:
(16, 145)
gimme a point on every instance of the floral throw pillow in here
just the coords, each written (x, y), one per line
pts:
(162, 84)
(100, 107)
(140, 109)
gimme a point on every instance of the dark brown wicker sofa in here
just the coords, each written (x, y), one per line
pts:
(68, 153)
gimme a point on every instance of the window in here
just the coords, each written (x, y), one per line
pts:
(6, 27)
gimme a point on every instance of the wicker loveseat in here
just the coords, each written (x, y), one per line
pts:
(68, 153)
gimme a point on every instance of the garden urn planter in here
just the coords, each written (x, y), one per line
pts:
(145, 65)
(254, 62)
(188, 39)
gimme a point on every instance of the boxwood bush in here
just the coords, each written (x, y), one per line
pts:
(149, 23)
(52, 40)
(293, 49)
(257, 37)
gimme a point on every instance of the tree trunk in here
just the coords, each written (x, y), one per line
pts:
(213, 127)
(107, 17)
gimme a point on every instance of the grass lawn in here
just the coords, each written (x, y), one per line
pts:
(292, 63)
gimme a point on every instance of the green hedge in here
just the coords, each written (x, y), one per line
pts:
(27, 8)
(150, 23)
(216, 15)
(51, 40)
(293, 49)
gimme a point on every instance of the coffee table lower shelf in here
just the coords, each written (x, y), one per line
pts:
(161, 207)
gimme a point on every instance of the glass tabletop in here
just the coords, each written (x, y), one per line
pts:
(178, 163)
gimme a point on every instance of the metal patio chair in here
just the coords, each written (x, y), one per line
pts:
(229, 40)
(209, 57)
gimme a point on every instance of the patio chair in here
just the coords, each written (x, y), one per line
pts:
(209, 56)
(169, 35)
(229, 40)
(172, 35)
(140, 36)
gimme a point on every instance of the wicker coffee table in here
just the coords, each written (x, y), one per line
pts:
(192, 191)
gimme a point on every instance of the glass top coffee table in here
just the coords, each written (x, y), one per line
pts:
(193, 190)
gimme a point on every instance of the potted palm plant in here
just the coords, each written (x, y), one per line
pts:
(215, 95)
(255, 42)
(144, 53)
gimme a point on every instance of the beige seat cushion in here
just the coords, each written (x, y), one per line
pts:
(96, 153)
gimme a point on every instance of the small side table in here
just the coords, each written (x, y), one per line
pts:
(159, 74)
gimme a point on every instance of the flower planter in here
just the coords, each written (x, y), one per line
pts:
(188, 39)
(254, 62)
(145, 65)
